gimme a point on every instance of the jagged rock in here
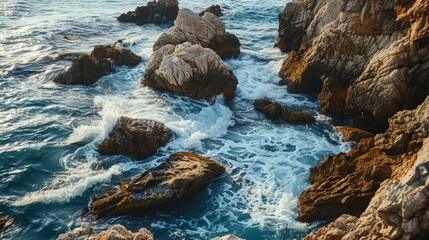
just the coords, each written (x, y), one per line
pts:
(346, 183)
(160, 11)
(228, 237)
(335, 230)
(137, 138)
(116, 232)
(207, 31)
(5, 222)
(178, 178)
(190, 70)
(367, 63)
(353, 134)
(120, 56)
(84, 71)
(274, 110)
(215, 9)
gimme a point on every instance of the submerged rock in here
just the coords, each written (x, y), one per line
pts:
(5, 222)
(182, 175)
(353, 134)
(274, 110)
(160, 11)
(190, 70)
(346, 183)
(215, 9)
(207, 31)
(137, 138)
(366, 62)
(84, 71)
(116, 232)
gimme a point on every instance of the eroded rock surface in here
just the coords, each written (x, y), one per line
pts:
(190, 70)
(137, 138)
(116, 232)
(274, 110)
(366, 58)
(178, 178)
(157, 11)
(207, 31)
(346, 182)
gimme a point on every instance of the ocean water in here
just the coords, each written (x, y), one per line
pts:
(49, 166)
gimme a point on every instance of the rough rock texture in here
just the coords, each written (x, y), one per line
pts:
(160, 11)
(274, 110)
(178, 178)
(190, 70)
(137, 138)
(335, 230)
(120, 56)
(228, 237)
(5, 222)
(84, 71)
(367, 61)
(207, 31)
(215, 9)
(353, 134)
(346, 183)
(116, 232)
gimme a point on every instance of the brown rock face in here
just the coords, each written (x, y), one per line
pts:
(135, 137)
(160, 11)
(215, 9)
(84, 71)
(117, 232)
(347, 182)
(190, 70)
(274, 110)
(353, 134)
(368, 59)
(179, 177)
(207, 31)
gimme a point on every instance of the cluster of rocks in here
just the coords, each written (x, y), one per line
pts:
(368, 59)
(87, 69)
(157, 11)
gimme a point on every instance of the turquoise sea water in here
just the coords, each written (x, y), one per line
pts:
(49, 169)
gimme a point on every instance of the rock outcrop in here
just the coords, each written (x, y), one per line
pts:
(116, 232)
(346, 183)
(215, 9)
(353, 134)
(87, 69)
(178, 178)
(190, 70)
(207, 31)
(137, 138)
(368, 59)
(275, 111)
(157, 11)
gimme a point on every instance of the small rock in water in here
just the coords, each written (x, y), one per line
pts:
(5, 222)
(137, 138)
(276, 111)
(182, 175)
(215, 9)
(87, 232)
(228, 237)
(160, 11)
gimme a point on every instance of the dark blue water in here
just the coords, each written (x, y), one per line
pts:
(49, 168)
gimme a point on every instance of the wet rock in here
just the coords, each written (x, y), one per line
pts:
(346, 183)
(366, 62)
(215, 9)
(68, 56)
(84, 71)
(160, 11)
(137, 138)
(353, 134)
(178, 178)
(5, 222)
(120, 56)
(190, 70)
(119, 232)
(207, 31)
(335, 230)
(228, 237)
(274, 110)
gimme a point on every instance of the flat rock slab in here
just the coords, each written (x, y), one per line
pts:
(182, 175)
(137, 138)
